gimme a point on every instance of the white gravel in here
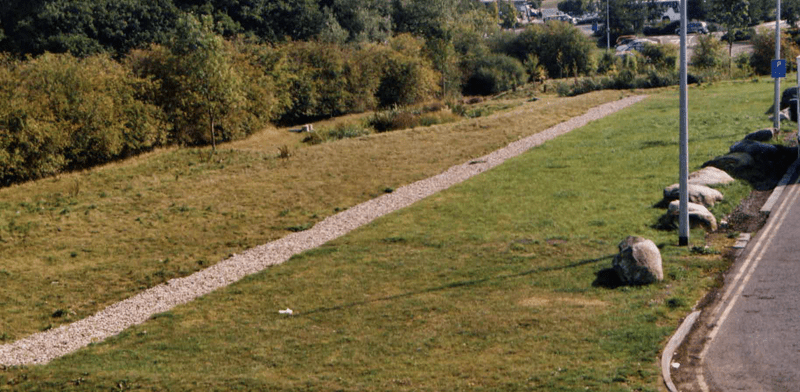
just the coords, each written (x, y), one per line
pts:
(43, 347)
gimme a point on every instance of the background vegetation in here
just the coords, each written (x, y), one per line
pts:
(87, 82)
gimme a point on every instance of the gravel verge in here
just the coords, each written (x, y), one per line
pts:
(43, 347)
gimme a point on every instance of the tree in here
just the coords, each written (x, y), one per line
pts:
(85, 27)
(508, 14)
(625, 17)
(364, 20)
(574, 7)
(562, 49)
(435, 21)
(734, 16)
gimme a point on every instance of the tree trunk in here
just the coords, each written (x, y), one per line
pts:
(213, 134)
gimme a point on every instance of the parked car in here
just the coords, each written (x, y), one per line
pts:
(563, 18)
(694, 27)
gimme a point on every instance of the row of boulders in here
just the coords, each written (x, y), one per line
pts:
(701, 196)
(762, 164)
(639, 260)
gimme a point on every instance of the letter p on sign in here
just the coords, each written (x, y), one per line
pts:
(778, 68)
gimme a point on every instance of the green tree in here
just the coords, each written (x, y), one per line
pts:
(574, 7)
(733, 15)
(562, 49)
(435, 20)
(85, 27)
(364, 20)
(508, 14)
(708, 52)
(764, 50)
(626, 17)
(211, 85)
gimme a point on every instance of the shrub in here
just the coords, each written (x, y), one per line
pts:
(709, 53)
(407, 77)
(608, 62)
(391, 120)
(562, 49)
(209, 89)
(494, 74)
(661, 56)
(338, 132)
(59, 112)
(764, 51)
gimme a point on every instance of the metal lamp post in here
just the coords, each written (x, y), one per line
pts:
(608, 27)
(683, 216)
(776, 122)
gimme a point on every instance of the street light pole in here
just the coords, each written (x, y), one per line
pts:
(608, 27)
(776, 122)
(683, 214)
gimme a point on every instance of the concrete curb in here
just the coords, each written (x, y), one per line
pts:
(776, 193)
(686, 326)
(674, 342)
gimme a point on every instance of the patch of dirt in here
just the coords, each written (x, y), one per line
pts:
(747, 217)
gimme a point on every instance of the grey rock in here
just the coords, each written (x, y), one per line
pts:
(710, 176)
(755, 149)
(783, 114)
(763, 135)
(699, 194)
(698, 215)
(638, 261)
(733, 162)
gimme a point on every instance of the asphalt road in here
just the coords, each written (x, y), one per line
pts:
(754, 342)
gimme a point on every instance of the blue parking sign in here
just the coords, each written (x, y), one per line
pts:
(778, 68)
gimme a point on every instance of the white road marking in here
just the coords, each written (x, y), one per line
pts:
(741, 279)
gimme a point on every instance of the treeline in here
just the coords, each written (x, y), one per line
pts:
(60, 112)
(84, 82)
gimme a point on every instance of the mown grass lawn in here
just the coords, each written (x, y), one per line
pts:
(486, 286)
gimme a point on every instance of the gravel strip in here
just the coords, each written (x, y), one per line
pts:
(43, 347)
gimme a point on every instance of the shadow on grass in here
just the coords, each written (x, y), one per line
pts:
(607, 278)
(459, 284)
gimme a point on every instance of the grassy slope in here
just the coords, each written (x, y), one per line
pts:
(485, 286)
(74, 244)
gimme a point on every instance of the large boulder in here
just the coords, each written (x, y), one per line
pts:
(698, 215)
(732, 163)
(756, 149)
(786, 99)
(763, 135)
(638, 261)
(784, 115)
(788, 96)
(699, 194)
(710, 176)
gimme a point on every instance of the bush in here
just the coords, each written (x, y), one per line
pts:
(561, 48)
(764, 51)
(494, 74)
(59, 112)
(338, 132)
(408, 76)
(208, 88)
(709, 53)
(391, 120)
(608, 62)
(661, 56)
